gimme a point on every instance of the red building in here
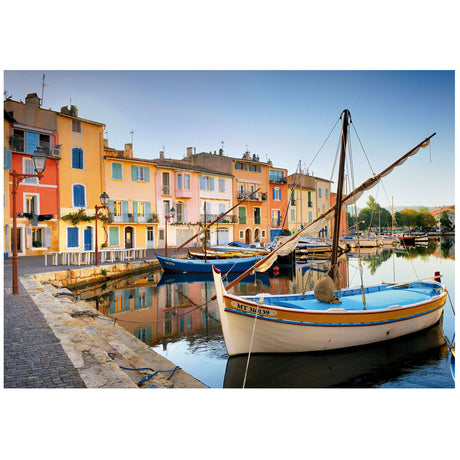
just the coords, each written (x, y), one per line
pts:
(37, 201)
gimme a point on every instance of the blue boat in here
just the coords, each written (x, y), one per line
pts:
(237, 264)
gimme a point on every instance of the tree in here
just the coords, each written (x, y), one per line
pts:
(425, 220)
(445, 221)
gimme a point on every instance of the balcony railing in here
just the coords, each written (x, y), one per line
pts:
(256, 197)
(18, 145)
(166, 190)
(276, 223)
(229, 219)
(126, 218)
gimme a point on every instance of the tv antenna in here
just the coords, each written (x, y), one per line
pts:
(132, 135)
(43, 87)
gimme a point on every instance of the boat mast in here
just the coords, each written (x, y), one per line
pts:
(338, 200)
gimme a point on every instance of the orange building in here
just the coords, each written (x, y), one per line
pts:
(278, 201)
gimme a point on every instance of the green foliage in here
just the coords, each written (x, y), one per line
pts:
(80, 216)
(445, 221)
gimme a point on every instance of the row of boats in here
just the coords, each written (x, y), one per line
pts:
(327, 318)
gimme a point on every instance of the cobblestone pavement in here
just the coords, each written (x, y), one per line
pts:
(33, 356)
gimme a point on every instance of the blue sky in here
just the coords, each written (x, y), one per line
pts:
(284, 116)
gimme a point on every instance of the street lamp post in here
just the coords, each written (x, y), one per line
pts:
(104, 200)
(172, 211)
(39, 160)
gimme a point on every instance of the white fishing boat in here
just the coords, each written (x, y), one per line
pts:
(325, 318)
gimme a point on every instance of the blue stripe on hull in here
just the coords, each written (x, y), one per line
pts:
(305, 323)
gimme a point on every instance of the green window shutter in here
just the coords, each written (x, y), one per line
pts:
(149, 297)
(117, 171)
(135, 211)
(133, 172)
(114, 236)
(148, 210)
(126, 300)
(147, 174)
(125, 210)
(242, 215)
(137, 302)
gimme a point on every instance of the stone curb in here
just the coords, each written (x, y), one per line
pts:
(96, 345)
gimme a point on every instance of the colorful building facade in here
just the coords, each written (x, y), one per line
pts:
(278, 198)
(31, 129)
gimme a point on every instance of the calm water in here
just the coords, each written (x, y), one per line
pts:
(172, 315)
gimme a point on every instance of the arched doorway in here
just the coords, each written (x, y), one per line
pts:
(257, 235)
(247, 236)
(129, 237)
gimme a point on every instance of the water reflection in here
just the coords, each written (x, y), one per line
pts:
(361, 367)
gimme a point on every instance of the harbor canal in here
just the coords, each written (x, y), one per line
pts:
(172, 313)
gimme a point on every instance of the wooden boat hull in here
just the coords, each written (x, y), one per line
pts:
(280, 329)
(200, 266)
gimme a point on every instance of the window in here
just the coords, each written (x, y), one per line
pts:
(310, 216)
(180, 212)
(242, 215)
(206, 183)
(72, 237)
(276, 217)
(310, 203)
(276, 176)
(37, 237)
(221, 208)
(325, 191)
(114, 236)
(179, 181)
(241, 234)
(257, 216)
(140, 173)
(264, 233)
(150, 234)
(77, 158)
(117, 171)
(319, 192)
(221, 185)
(161, 234)
(79, 196)
(27, 141)
(276, 193)
(31, 204)
(117, 208)
(28, 168)
(141, 209)
(76, 126)
(186, 181)
(165, 183)
(292, 215)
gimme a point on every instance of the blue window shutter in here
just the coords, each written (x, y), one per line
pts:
(202, 184)
(133, 172)
(114, 236)
(126, 300)
(147, 174)
(179, 181)
(135, 211)
(111, 206)
(7, 159)
(75, 161)
(117, 171)
(137, 303)
(212, 183)
(274, 196)
(149, 297)
(78, 196)
(32, 142)
(72, 237)
(125, 210)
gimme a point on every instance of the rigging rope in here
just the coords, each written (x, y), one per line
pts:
(252, 338)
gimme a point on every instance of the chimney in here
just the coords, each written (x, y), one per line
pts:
(162, 155)
(106, 142)
(73, 111)
(33, 99)
(128, 152)
(189, 152)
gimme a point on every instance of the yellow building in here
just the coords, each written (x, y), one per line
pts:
(129, 182)
(7, 163)
(80, 180)
(302, 209)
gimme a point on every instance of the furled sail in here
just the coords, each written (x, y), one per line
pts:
(291, 243)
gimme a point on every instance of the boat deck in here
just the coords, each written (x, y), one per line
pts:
(377, 297)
